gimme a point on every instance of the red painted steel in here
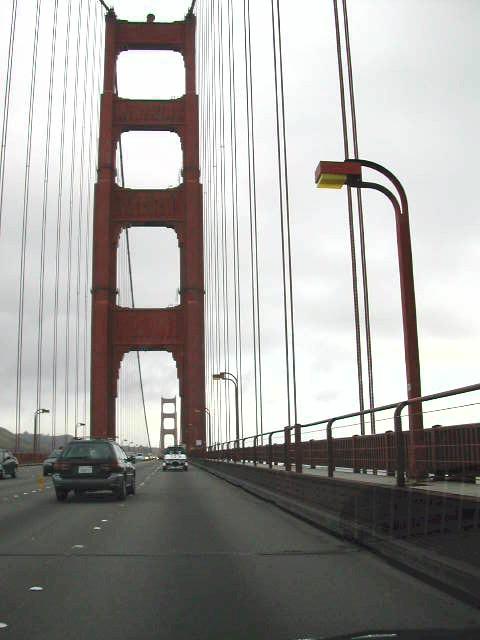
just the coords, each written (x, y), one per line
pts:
(178, 330)
(453, 451)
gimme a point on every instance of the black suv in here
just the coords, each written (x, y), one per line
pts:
(93, 465)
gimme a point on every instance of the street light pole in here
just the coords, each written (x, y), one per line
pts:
(224, 375)
(35, 429)
(78, 424)
(205, 410)
(337, 174)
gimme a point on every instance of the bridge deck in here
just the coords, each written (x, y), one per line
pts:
(191, 556)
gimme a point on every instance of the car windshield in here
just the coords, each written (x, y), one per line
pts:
(93, 450)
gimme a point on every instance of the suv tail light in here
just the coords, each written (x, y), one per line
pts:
(61, 466)
(112, 467)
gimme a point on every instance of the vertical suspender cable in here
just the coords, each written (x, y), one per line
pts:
(218, 327)
(66, 65)
(257, 352)
(46, 168)
(130, 279)
(366, 303)
(6, 110)
(282, 229)
(26, 195)
(287, 221)
(350, 222)
(130, 276)
(235, 235)
(82, 209)
(94, 94)
(225, 268)
(73, 166)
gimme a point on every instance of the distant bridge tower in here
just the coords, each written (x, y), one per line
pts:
(180, 329)
(168, 415)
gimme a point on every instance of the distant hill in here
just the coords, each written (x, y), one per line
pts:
(7, 441)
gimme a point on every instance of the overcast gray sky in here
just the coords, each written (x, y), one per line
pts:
(417, 97)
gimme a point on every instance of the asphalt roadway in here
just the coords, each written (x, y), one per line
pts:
(190, 556)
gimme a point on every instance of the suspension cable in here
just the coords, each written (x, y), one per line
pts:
(350, 222)
(282, 230)
(287, 221)
(56, 304)
(6, 107)
(130, 276)
(104, 5)
(284, 215)
(235, 227)
(82, 212)
(46, 168)
(94, 117)
(366, 303)
(73, 165)
(257, 354)
(26, 196)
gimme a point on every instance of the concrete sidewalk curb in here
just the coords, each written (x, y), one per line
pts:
(460, 579)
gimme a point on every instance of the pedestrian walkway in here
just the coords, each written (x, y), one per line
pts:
(441, 486)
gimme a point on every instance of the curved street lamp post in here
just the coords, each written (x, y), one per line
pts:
(226, 375)
(35, 427)
(334, 175)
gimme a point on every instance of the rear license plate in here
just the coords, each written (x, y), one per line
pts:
(85, 469)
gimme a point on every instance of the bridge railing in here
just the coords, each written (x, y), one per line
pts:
(438, 450)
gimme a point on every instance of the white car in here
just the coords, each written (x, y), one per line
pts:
(140, 457)
(175, 458)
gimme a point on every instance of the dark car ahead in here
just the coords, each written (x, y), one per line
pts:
(50, 461)
(8, 464)
(93, 465)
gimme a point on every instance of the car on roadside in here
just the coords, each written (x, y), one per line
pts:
(8, 464)
(175, 458)
(94, 465)
(140, 457)
(50, 461)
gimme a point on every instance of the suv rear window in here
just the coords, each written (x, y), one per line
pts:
(92, 450)
(175, 450)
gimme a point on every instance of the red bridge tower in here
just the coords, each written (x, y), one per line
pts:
(180, 329)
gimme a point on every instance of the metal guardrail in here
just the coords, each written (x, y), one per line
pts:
(436, 450)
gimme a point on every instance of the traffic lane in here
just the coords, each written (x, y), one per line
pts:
(31, 477)
(26, 480)
(35, 523)
(45, 537)
(194, 557)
